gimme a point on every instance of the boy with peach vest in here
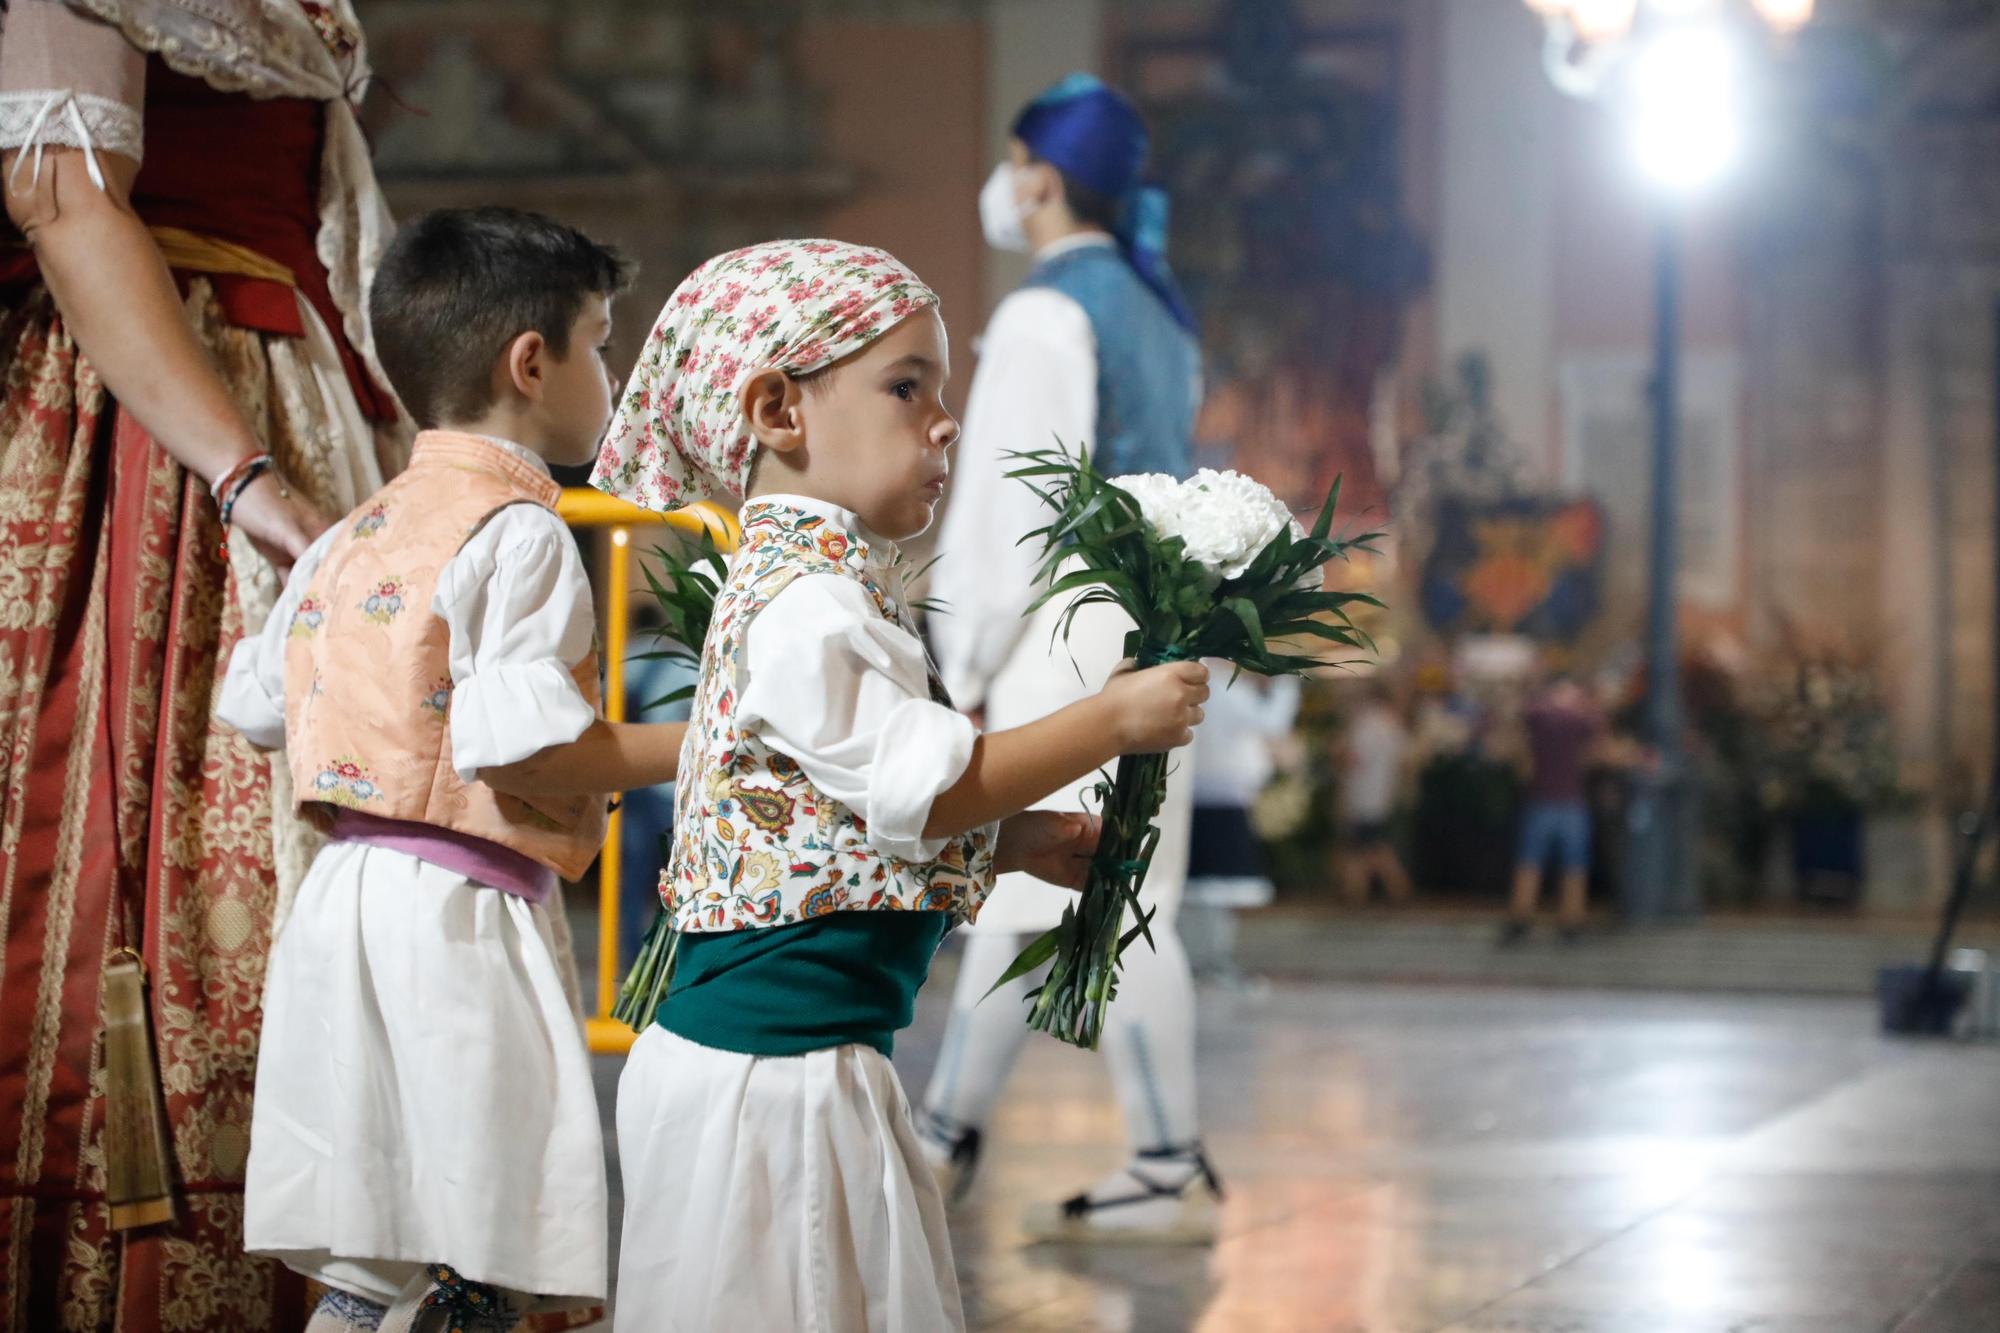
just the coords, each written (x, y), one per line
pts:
(425, 1136)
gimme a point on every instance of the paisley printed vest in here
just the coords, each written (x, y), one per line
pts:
(367, 678)
(755, 843)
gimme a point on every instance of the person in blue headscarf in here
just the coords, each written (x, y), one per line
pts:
(1095, 349)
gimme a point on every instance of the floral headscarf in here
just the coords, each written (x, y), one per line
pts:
(679, 434)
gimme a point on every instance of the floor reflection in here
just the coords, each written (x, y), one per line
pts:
(1438, 1160)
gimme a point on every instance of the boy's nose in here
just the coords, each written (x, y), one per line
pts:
(945, 433)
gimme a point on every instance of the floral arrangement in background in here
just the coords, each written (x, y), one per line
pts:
(1825, 735)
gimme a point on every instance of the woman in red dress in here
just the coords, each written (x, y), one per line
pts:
(193, 227)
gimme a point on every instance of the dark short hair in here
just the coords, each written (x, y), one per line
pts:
(459, 284)
(817, 382)
(1093, 208)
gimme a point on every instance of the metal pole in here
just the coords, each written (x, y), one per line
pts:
(1945, 647)
(1658, 866)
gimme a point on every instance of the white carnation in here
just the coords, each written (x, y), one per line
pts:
(1157, 493)
(1224, 519)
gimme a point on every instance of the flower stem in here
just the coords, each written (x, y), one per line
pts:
(1083, 977)
(652, 973)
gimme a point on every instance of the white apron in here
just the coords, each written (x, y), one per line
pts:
(775, 1193)
(423, 1089)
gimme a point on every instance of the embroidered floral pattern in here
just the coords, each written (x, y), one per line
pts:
(384, 601)
(343, 40)
(372, 522)
(755, 843)
(171, 799)
(389, 692)
(345, 782)
(768, 810)
(468, 1306)
(796, 305)
(307, 618)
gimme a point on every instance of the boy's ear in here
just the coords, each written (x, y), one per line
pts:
(1041, 185)
(524, 365)
(770, 401)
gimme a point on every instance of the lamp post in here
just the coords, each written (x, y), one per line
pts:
(1676, 70)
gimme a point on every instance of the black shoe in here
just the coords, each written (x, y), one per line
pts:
(1165, 1196)
(952, 1150)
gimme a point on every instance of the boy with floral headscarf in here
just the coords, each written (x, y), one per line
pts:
(834, 815)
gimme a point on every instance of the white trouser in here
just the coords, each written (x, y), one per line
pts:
(1037, 680)
(1148, 1038)
(1149, 1029)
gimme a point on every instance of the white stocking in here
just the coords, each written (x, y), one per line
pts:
(1148, 1039)
(984, 1036)
(1149, 1043)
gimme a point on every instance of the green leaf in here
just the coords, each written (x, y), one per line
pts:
(1324, 523)
(1032, 957)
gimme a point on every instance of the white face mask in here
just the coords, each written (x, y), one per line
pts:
(1000, 212)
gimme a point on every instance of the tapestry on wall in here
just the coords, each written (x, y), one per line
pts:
(1527, 565)
(1278, 143)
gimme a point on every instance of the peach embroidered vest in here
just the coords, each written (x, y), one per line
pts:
(367, 680)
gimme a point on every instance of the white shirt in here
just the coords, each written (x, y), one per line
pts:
(1232, 749)
(1036, 385)
(1375, 749)
(516, 603)
(825, 679)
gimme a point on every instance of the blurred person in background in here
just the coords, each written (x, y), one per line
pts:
(1373, 759)
(1565, 733)
(1096, 351)
(1233, 762)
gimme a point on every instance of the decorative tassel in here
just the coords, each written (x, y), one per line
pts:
(138, 1174)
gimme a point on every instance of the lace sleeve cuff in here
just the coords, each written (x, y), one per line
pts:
(34, 121)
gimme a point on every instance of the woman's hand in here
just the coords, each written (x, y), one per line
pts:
(1052, 845)
(277, 521)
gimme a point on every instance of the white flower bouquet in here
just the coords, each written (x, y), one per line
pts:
(1214, 566)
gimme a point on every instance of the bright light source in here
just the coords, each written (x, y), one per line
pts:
(1681, 9)
(1785, 15)
(620, 536)
(1687, 112)
(1602, 20)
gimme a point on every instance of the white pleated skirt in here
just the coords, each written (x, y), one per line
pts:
(775, 1194)
(423, 1089)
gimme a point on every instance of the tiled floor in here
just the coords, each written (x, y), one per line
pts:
(1826, 953)
(1408, 1159)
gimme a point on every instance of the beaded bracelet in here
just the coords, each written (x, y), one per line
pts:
(240, 481)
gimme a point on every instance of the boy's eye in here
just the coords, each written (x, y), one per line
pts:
(905, 390)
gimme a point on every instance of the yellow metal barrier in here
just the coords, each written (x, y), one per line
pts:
(582, 507)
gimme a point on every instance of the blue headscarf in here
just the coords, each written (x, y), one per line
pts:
(1093, 134)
